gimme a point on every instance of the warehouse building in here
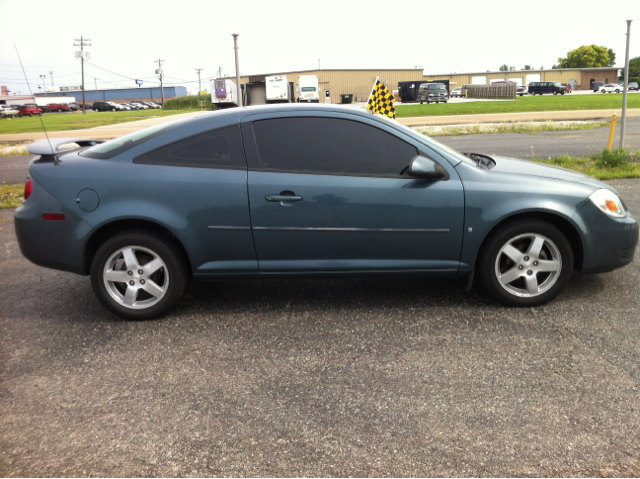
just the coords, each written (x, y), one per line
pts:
(579, 78)
(120, 95)
(335, 83)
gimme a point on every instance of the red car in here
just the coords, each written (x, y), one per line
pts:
(29, 110)
(57, 107)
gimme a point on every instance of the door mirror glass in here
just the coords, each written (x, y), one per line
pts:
(423, 167)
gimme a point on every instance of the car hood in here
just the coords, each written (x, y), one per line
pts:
(531, 168)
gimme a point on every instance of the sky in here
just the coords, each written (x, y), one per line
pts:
(128, 37)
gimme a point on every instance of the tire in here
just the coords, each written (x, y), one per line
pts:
(155, 290)
(503, 254)
(555, 92)
(113, 109)
(421, 102)
(617, 91)
(59, 110)
(30, 114)
(603, 91)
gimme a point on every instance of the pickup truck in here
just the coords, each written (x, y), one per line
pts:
(29, 110)
(57, 107)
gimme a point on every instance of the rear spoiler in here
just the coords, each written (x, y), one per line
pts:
(49, 149)
(52, 147)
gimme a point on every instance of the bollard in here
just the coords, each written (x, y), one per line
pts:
(613, 127)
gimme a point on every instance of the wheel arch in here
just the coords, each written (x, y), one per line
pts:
(563, 224)
(110, 229)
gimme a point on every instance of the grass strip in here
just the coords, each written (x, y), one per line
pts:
(11, 196)
(595, 101)
(523, 127)
(606, 165)
(78, 121)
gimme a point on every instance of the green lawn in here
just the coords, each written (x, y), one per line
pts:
(78, 121)
(595, 101)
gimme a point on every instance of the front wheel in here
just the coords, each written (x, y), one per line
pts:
(139, 274)
(525, 263)
(617, 91)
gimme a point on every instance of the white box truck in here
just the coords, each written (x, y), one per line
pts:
(278, 89)
(308, 90)
(224, 93)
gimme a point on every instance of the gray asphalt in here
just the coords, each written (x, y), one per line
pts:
(546, 144)
(350, 377)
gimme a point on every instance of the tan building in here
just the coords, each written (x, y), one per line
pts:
(580, 78)
(334, 83)
(338, 82)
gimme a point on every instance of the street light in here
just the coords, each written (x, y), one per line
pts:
(43, 77)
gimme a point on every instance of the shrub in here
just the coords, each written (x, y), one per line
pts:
(189, 102)
(610, 159)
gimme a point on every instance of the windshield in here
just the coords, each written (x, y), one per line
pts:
(436, 86)
(308, 88)
(111, 148)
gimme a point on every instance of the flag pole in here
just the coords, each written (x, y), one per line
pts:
(372, 88)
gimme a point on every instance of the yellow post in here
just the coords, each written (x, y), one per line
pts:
(613, 127)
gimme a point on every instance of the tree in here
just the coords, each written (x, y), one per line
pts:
(588, 56)
(634, 68)
(504, 68)
(527, 67)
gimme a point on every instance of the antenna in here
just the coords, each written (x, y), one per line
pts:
(55, 157)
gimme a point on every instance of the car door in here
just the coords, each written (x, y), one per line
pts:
(327, 194)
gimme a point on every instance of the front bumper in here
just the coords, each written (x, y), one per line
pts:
(608, 243)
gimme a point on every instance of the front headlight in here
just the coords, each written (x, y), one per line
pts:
(609, 203)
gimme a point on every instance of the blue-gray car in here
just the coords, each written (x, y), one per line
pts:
(309, 191)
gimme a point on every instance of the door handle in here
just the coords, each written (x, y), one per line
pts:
(280, 198)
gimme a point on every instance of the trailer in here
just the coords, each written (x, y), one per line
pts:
(224, 92)
(278, 89)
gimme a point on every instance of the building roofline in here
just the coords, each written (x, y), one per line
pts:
(332, 70)
(523, 71)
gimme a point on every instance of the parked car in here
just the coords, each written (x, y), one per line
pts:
(567, 87)
(522, 90)
(29, 110)
(59, 107)
(611, 88)
(433, 93)
(140, 105)
(456, 92)
(597, 85)
(633, 86)
(542, 87)
(143, 213)
(104, 106)
(75, 107)
(8, 112)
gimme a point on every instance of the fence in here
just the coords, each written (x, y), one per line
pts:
(495, 90)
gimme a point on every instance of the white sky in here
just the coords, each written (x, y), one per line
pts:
(282, 35)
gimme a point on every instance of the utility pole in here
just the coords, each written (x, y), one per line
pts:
(82, 42)
(235, 47)
(625, 86)
(159, 72)
(199, 84)
(219, 72)
(95, 80)
(51, 76)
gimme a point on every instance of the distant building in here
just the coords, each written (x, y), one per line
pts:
(119, 95)
(580, 78)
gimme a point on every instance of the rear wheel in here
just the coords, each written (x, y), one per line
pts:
(526, 263)
(138, 274)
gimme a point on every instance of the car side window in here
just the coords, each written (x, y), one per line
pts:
(214, 149)
(330, 146)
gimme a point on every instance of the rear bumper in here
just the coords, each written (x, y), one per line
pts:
(52, 244)
(608, 243)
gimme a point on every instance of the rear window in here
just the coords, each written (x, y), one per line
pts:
(114, 147)
(308, 88)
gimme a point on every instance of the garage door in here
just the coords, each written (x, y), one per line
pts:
(496, 80)
(533, 77)
(518, 80)
(479, 80)
(258, 95)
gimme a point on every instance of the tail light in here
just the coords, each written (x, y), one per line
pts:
(28, 188)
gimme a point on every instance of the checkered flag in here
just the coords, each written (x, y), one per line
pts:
(381, 101)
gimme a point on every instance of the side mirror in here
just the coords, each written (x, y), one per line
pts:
(423, 167)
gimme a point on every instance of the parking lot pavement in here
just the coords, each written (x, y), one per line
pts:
(366, 377)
